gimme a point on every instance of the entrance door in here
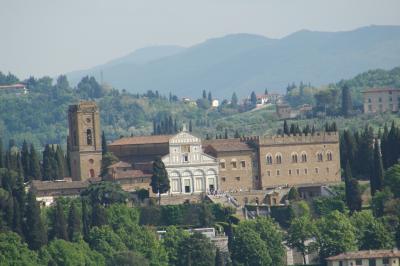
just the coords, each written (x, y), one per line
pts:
(211, 184)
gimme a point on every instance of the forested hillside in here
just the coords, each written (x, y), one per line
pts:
(40, 116)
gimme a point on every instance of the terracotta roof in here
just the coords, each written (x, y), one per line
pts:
(58, 185)
(130, 174)
(142, 140)
(120, 164)
(12, 86)
(380, 90)
(227, 145)
(367, 254)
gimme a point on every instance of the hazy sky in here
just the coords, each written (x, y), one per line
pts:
(48, 37)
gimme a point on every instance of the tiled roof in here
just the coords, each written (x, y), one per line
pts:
(226, 145)
(142, 140)
(120, 164)
(130, 174)
(367, 254)
(380, 90)
(58, 185)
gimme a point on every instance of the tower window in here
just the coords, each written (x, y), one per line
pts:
(89, 138)
(91, 172)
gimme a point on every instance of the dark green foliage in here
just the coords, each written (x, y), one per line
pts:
(324, 206)
(234, 100)
(194, 247)
(129, 258)
(34, 165)
(35, 234)
(376, 179)
(59, 223)
(88, 88)
(293, 194)
(85, 219)
(327, 101)
(159, 181)
(104, 193)
(107, 160)
(172, 240)
(98, 215)
(347, 105)
(379, 200)
(392, 180)
(74, 222)
(25, 159)
(282, 215)
(352, 190)
(335, 235)
(253, 98)
(13, 251)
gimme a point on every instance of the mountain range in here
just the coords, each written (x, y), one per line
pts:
(247, 62)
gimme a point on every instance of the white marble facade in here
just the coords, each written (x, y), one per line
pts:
(189, 169)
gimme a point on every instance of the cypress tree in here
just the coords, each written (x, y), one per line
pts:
(74, 222)
(347, 105)
(85, 220)
(393, 146)
(59, 223)
(190, 126)
(25, 159)
(209, 96)
(376, 180)
(234, 100)
(219, 260)
(19, 194)
(1, 154)
(98, 215)
(159, 181)
(204, 94)
(226, 134)
(384, 146)
(9, 211)
(253, 98)
(104, 148)
(17, 218)
(285, 128)
(34, 165)
(353, 194)
(60, 160)
(237, 135)
(35, 234)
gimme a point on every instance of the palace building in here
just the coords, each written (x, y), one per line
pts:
(201, 166)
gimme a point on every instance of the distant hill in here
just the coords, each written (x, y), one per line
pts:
(245, 62)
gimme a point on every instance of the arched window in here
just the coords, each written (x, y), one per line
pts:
(278, 159)
(91, 172)
(329, 156)
(304, 157)
(319, 157)
(294, 158)
(269, 159)
(89, 137)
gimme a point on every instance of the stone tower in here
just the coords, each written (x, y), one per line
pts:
(84, 140)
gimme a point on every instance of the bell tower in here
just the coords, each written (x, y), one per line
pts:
(84, 140)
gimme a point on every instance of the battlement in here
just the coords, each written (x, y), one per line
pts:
(317, 137)
(84, 106)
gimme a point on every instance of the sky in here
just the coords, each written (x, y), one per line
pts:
(50, 37)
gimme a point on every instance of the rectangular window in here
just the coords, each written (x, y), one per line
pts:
(223, 179)
(185, 158)
(243, 164)
(278, 172)
(297, 171)
(371, 262)
(268, 173)
(234, 165)
(238, 178)
(385, 261)
(358, 262)
(316, 170)
(305, 171)
(222, 165)
(290, 172)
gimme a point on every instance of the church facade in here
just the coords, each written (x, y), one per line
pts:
(189, 169)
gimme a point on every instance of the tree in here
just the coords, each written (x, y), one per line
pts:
(204, 94)
(247, 248)
(1, 154)
(300, 231)
(194, 247)
(285, 128)
(209, 97)
(85, 219)
(129, 258)
(293, 194)
(159, 180)
(335, 235)
(25, 159)
(376, 180)
(106, 242)
(59, 223)
(35, 234)
(190, 126)
(104, 148)
(253, 98)
(352, 190)
(105, 193)
(61, 252)
(108, 159)
(347, 105)
(392, 180)
(234, 100)
(371, 232)
(74, 222)
(34, 165)
(379, 200)
(172, 240)
(98, 215)
(13, 251)
(60, 160)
